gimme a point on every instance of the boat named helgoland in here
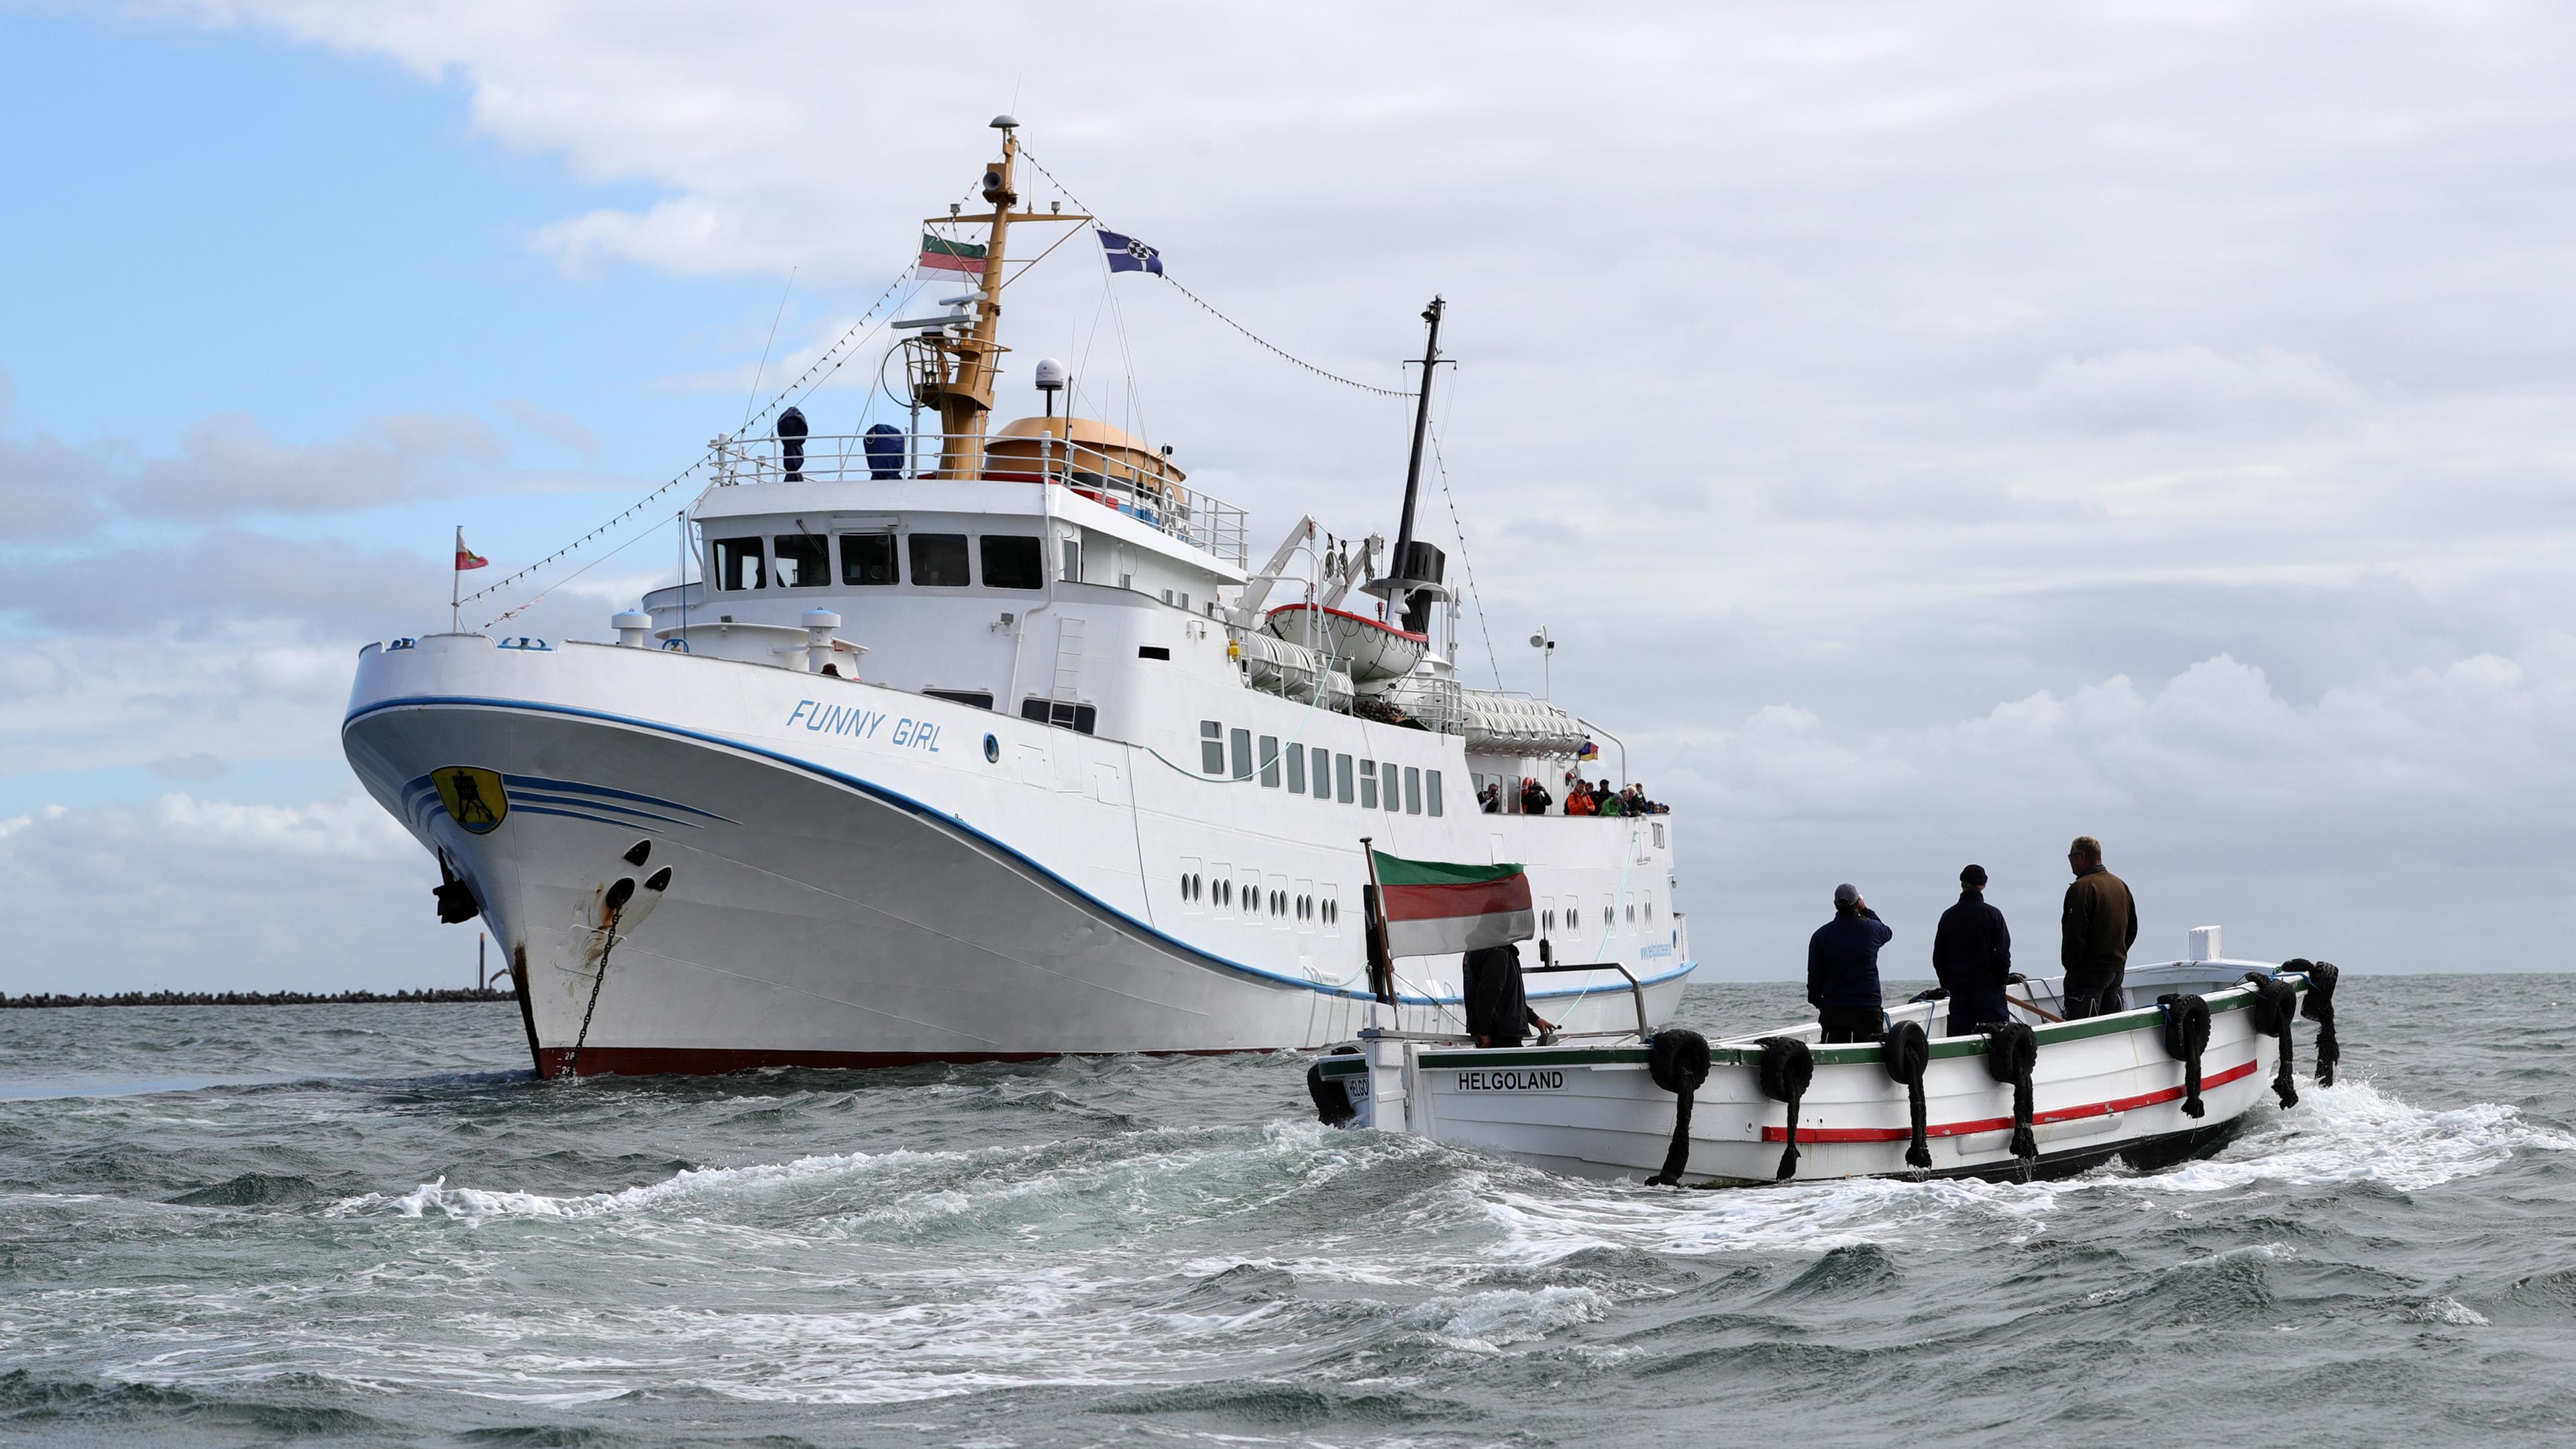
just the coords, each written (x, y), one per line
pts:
(981, 742)
(2195, 1045)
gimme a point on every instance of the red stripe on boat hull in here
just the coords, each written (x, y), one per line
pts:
(2004, 1124)
(615, 1061)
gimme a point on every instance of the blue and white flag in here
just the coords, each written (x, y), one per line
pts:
(1126, 254)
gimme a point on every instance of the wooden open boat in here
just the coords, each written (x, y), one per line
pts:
(2088, 1090)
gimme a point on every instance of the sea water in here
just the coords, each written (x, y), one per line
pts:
(370, 1225)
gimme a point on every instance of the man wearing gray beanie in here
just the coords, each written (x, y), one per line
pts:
(1842, 970)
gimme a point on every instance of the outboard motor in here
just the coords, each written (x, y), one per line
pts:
(791, 445)
(884, 443)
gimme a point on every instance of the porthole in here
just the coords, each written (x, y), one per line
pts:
(1225, 893)
(992, 750)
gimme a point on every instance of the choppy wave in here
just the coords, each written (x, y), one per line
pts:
(1067, 1252)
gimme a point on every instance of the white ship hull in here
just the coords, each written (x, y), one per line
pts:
(857, 879)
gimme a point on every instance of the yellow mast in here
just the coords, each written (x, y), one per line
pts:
(960, 383)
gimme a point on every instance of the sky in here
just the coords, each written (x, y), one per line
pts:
(1931, 431)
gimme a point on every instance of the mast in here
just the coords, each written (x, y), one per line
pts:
(1421, 426)
(959, 381)
(1396, 588)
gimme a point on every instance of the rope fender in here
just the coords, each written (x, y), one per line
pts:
(1908, 1052)
(2276, 1005)
(2012, 1053)
(2319, 1008)
(1332, 1100)
(2186, 1037)
(1787, 1067)
(1677, 1059)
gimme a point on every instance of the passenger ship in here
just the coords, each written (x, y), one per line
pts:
(989, 744)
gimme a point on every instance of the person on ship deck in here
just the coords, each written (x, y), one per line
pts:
(1535, 799)
(1490, 799)
(1578, 800)
(2097, 928)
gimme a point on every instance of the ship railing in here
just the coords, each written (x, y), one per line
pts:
(1125, 480)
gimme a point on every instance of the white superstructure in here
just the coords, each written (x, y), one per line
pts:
(974, 745)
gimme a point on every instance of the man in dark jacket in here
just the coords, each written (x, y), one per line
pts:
(1842, 970)
(1498, 1010)
(1972, 954)
(2099, 925)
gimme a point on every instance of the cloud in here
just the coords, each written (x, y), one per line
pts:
(1932, 429)
(192, 893)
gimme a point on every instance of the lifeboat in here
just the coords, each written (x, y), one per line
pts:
(1370, 649)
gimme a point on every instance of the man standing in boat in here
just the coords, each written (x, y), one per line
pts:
(1972, 954)
(1842, 970)
(2099, 925)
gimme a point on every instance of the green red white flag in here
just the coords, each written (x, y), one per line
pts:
(1437, 908)
(964, 259)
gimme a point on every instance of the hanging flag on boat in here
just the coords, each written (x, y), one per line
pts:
(965, 259)
(1126, 254)
(1435, 908)
(467, 558)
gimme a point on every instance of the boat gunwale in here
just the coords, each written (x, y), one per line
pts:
(2142, 1018)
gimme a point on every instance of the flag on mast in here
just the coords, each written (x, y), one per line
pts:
(965, 259)
(467, 558)
(1126, 254)
(1435, 908)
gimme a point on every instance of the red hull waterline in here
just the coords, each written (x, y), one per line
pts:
(611, 1061)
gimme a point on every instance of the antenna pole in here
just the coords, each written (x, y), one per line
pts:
(1413, 470)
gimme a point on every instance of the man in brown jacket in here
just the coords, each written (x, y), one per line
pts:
(2100, 924)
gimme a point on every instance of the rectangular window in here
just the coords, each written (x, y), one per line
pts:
(1012, 561)
(804, 560)
(1412, 790)
(868, 558)
(939, 560)
(1297, 769)
(1072, 561)
(1342, 770)
(1368, 784)
(1242, 742)
(1270, 761)
(1435, 792)
(973, 698)
(1153, 651)
(738, 564)
(1211, 747)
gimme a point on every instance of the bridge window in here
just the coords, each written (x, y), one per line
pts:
(1297, 769)
(1368, 784)
(804, 560)
(939, 560)
(1433, 784)
(1241, 740)
(1012, 561)
(1323, 778)
(739, 565)
(1211, 747)
(1412, 790)
(868, 558)
(1270, 761)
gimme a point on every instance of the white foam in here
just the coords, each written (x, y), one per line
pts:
(2351, 1132)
